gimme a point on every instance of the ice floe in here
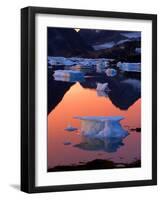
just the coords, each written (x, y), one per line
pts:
(102, 86)
(70, 128)
(111, 72)
(83, 62)
(102, 126)
(68, 73)
(129, 67)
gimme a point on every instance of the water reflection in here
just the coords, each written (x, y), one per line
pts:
(122, 91)
(69, 97)
(100, 144)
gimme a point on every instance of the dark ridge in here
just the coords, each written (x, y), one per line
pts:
(95, 164)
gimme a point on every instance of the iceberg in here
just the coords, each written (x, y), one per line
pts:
(102, 126)
(60, 61)
(111, 72)
(70, 128)
(83, 62)
(71, 79)
(129, 67)
(68, 73)
(102, 86)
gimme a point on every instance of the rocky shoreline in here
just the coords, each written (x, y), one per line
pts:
(95, 165)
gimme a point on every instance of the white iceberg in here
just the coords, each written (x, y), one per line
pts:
(111, 72)
(102, 86)
(129, 67)
(102, 126)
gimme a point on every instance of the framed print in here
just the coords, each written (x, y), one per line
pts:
(88, 99)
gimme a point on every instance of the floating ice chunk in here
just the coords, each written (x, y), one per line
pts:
(102, 86)
(70, 128)
(132, 34)
(111, 72)
(83, 62)
(67, 143)
(101, 66)
(102, 127)
(60, 61)
(68, 73)
(71, 79)
(129, 67)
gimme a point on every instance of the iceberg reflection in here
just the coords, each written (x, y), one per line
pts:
(100, 144)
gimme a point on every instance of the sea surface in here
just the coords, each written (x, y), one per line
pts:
(69, 98)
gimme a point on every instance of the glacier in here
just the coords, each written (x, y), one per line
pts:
(102, 126)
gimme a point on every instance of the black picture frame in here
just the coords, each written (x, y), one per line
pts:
(28, 98)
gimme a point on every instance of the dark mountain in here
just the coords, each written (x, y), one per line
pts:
(58, 88)
(125, 52)
(95, 37)
(66, 42)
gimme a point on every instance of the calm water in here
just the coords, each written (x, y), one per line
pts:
(67, 99)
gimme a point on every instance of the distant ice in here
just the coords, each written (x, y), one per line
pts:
(132, 34)
(111, 72)
(102, 86)
(72, 61)
(68, 73)
(104, 46)
(70, 128)
(129, 67)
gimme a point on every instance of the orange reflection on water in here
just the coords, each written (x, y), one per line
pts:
(85, 102)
